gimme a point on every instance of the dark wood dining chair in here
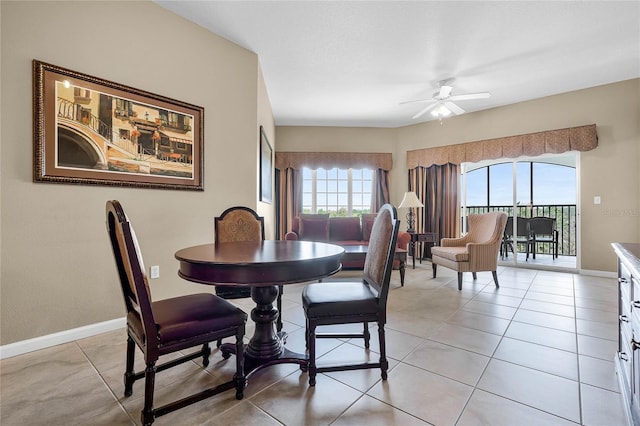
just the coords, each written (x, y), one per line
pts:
(365, 301)
(166, 326)
(241, 223)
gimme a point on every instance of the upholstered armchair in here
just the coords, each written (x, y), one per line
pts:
(476, 251)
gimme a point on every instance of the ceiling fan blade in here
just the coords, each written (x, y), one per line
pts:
(424, 111)
(454, 108)
(445, 91)
(469, 96)
(416, 101)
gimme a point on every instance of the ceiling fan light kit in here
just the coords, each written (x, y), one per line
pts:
(442, 103)
(441, 111)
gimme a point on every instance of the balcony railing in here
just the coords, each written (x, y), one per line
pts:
(564, 214)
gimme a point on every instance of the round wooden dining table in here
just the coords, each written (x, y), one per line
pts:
(263, 266)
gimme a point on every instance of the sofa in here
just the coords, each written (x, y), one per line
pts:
(342, 231)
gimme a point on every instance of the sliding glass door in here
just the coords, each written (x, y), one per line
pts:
(528, 188)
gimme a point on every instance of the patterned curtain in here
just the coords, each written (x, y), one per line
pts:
(289, 199)
(380, 190)
(437, 188)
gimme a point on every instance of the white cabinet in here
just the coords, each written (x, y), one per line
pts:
(627, 359)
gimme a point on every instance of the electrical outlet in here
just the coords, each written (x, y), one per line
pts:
(154, 271)
(597, 199)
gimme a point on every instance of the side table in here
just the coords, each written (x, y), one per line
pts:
(419, 238)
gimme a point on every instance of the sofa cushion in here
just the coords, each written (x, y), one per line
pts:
(367, 225)
(314, 229)
(344, 228)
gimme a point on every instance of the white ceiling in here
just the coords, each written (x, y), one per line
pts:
(350, 63)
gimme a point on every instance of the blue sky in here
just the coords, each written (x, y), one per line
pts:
(553, 184)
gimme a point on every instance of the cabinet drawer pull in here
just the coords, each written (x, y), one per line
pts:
(634, 345)
(623, 356)
(636, 303)
(624, 318)
(622, 280)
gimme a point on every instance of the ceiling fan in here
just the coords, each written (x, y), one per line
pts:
(441, 104)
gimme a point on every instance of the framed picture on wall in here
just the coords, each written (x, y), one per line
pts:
(96, 132)
(266, 168)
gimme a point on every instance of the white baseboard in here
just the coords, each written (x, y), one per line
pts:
(603, 274)
(22, 347)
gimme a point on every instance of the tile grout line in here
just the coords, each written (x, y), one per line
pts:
(95, 369)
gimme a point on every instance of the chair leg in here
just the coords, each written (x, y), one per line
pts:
(149, 382)
(239, 378)
(366, 335)
(279, 306)
(306, 335)
(475, 275)
(384, 364)
(435, 268)
(311, 332)
(495, 278)
(459, 280)
(206, 351)
(129, 376)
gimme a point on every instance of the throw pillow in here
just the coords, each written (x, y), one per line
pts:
(367, 225)
(345, 229)
(296, 220)
(314, 229)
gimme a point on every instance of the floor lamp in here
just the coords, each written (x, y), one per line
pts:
(410, 201)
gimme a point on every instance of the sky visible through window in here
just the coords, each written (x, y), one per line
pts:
(552, 184)
(336, 191)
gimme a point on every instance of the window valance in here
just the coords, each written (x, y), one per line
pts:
(328, 160)
(582, 138)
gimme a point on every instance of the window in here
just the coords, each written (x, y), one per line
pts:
(477, 187)
(501, 184)
(335, 191)
(538, 182)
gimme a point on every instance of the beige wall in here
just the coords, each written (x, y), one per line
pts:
(265, 118)
(610, 171)
(57, 270)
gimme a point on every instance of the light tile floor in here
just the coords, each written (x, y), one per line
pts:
(538, 350)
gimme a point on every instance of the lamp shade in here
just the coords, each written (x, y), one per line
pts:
(409, 200)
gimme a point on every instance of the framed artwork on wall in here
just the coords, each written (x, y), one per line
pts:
(96, 132)
(266, 168)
